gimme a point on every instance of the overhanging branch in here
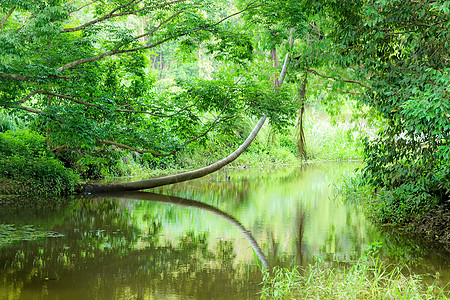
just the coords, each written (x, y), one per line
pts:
(112, 14)
(117, 50)
(161, 181)
(2, 23)
(337, 79)
(97, 106)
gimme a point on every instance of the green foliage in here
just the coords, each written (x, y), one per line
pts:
(24, 143)
(402, 51)
(368, 278)
(10, 121)
(83, 68)
(28, 167)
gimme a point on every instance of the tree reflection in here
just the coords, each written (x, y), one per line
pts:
(107, 254)
(192, 203)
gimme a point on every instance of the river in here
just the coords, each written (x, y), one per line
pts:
(203, 239)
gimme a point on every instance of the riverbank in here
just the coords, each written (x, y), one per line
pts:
(429, 221)
(433, 226)
(369, 278)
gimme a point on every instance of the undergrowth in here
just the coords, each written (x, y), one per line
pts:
(369, 278)
(27, 166)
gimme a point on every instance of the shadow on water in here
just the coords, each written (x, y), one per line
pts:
(141, 245)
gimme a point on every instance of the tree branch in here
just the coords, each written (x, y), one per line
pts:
(117, 51)
(338, 79)
(235, 14)
(66, 97)
(155, 182)
(95, 105)
(26, 78)
(29, 109)
(6, 17)
(15, 77)
(159, 26)
(126, 147)
(123, 146)
(105, 17)
(112, 14)
(83, 6)
(284, 69)
(27, 97)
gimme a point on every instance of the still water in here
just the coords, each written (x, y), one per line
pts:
(204, 239)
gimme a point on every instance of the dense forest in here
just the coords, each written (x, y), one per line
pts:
(95, 89)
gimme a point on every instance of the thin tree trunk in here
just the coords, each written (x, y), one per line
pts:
(301, 141)
(166, 180)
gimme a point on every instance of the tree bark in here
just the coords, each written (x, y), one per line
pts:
(166, 180)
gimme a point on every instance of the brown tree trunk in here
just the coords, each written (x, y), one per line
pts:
(301, 140)
(166, 180)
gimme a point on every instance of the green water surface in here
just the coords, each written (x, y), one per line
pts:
(203, 239)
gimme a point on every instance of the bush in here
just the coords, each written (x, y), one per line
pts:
(28, 167)
(24, 143)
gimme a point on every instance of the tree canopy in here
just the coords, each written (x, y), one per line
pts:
(82, 67)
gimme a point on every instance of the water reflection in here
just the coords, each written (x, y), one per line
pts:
(110, 253)
(172, 247)
(192, 203)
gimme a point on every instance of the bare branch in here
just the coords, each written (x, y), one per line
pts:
(15, 77)
(6, 17)
(284, 69)
(29, 109)
(27, 97)
(339, 79)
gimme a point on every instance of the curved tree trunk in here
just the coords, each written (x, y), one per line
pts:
(166, 180)
(147, 196)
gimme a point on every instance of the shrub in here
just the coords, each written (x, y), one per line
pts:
(28, 167)
(23, 143)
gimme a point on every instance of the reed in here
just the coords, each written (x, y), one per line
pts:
(369, 278)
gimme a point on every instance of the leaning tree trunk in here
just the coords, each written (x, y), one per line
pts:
(192, 203)
(166, 180)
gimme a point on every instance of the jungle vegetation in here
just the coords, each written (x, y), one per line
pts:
(100, 83)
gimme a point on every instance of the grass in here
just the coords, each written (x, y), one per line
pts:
(369, 278)
(10, 121)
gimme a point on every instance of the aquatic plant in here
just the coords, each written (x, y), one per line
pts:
(10, 233)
